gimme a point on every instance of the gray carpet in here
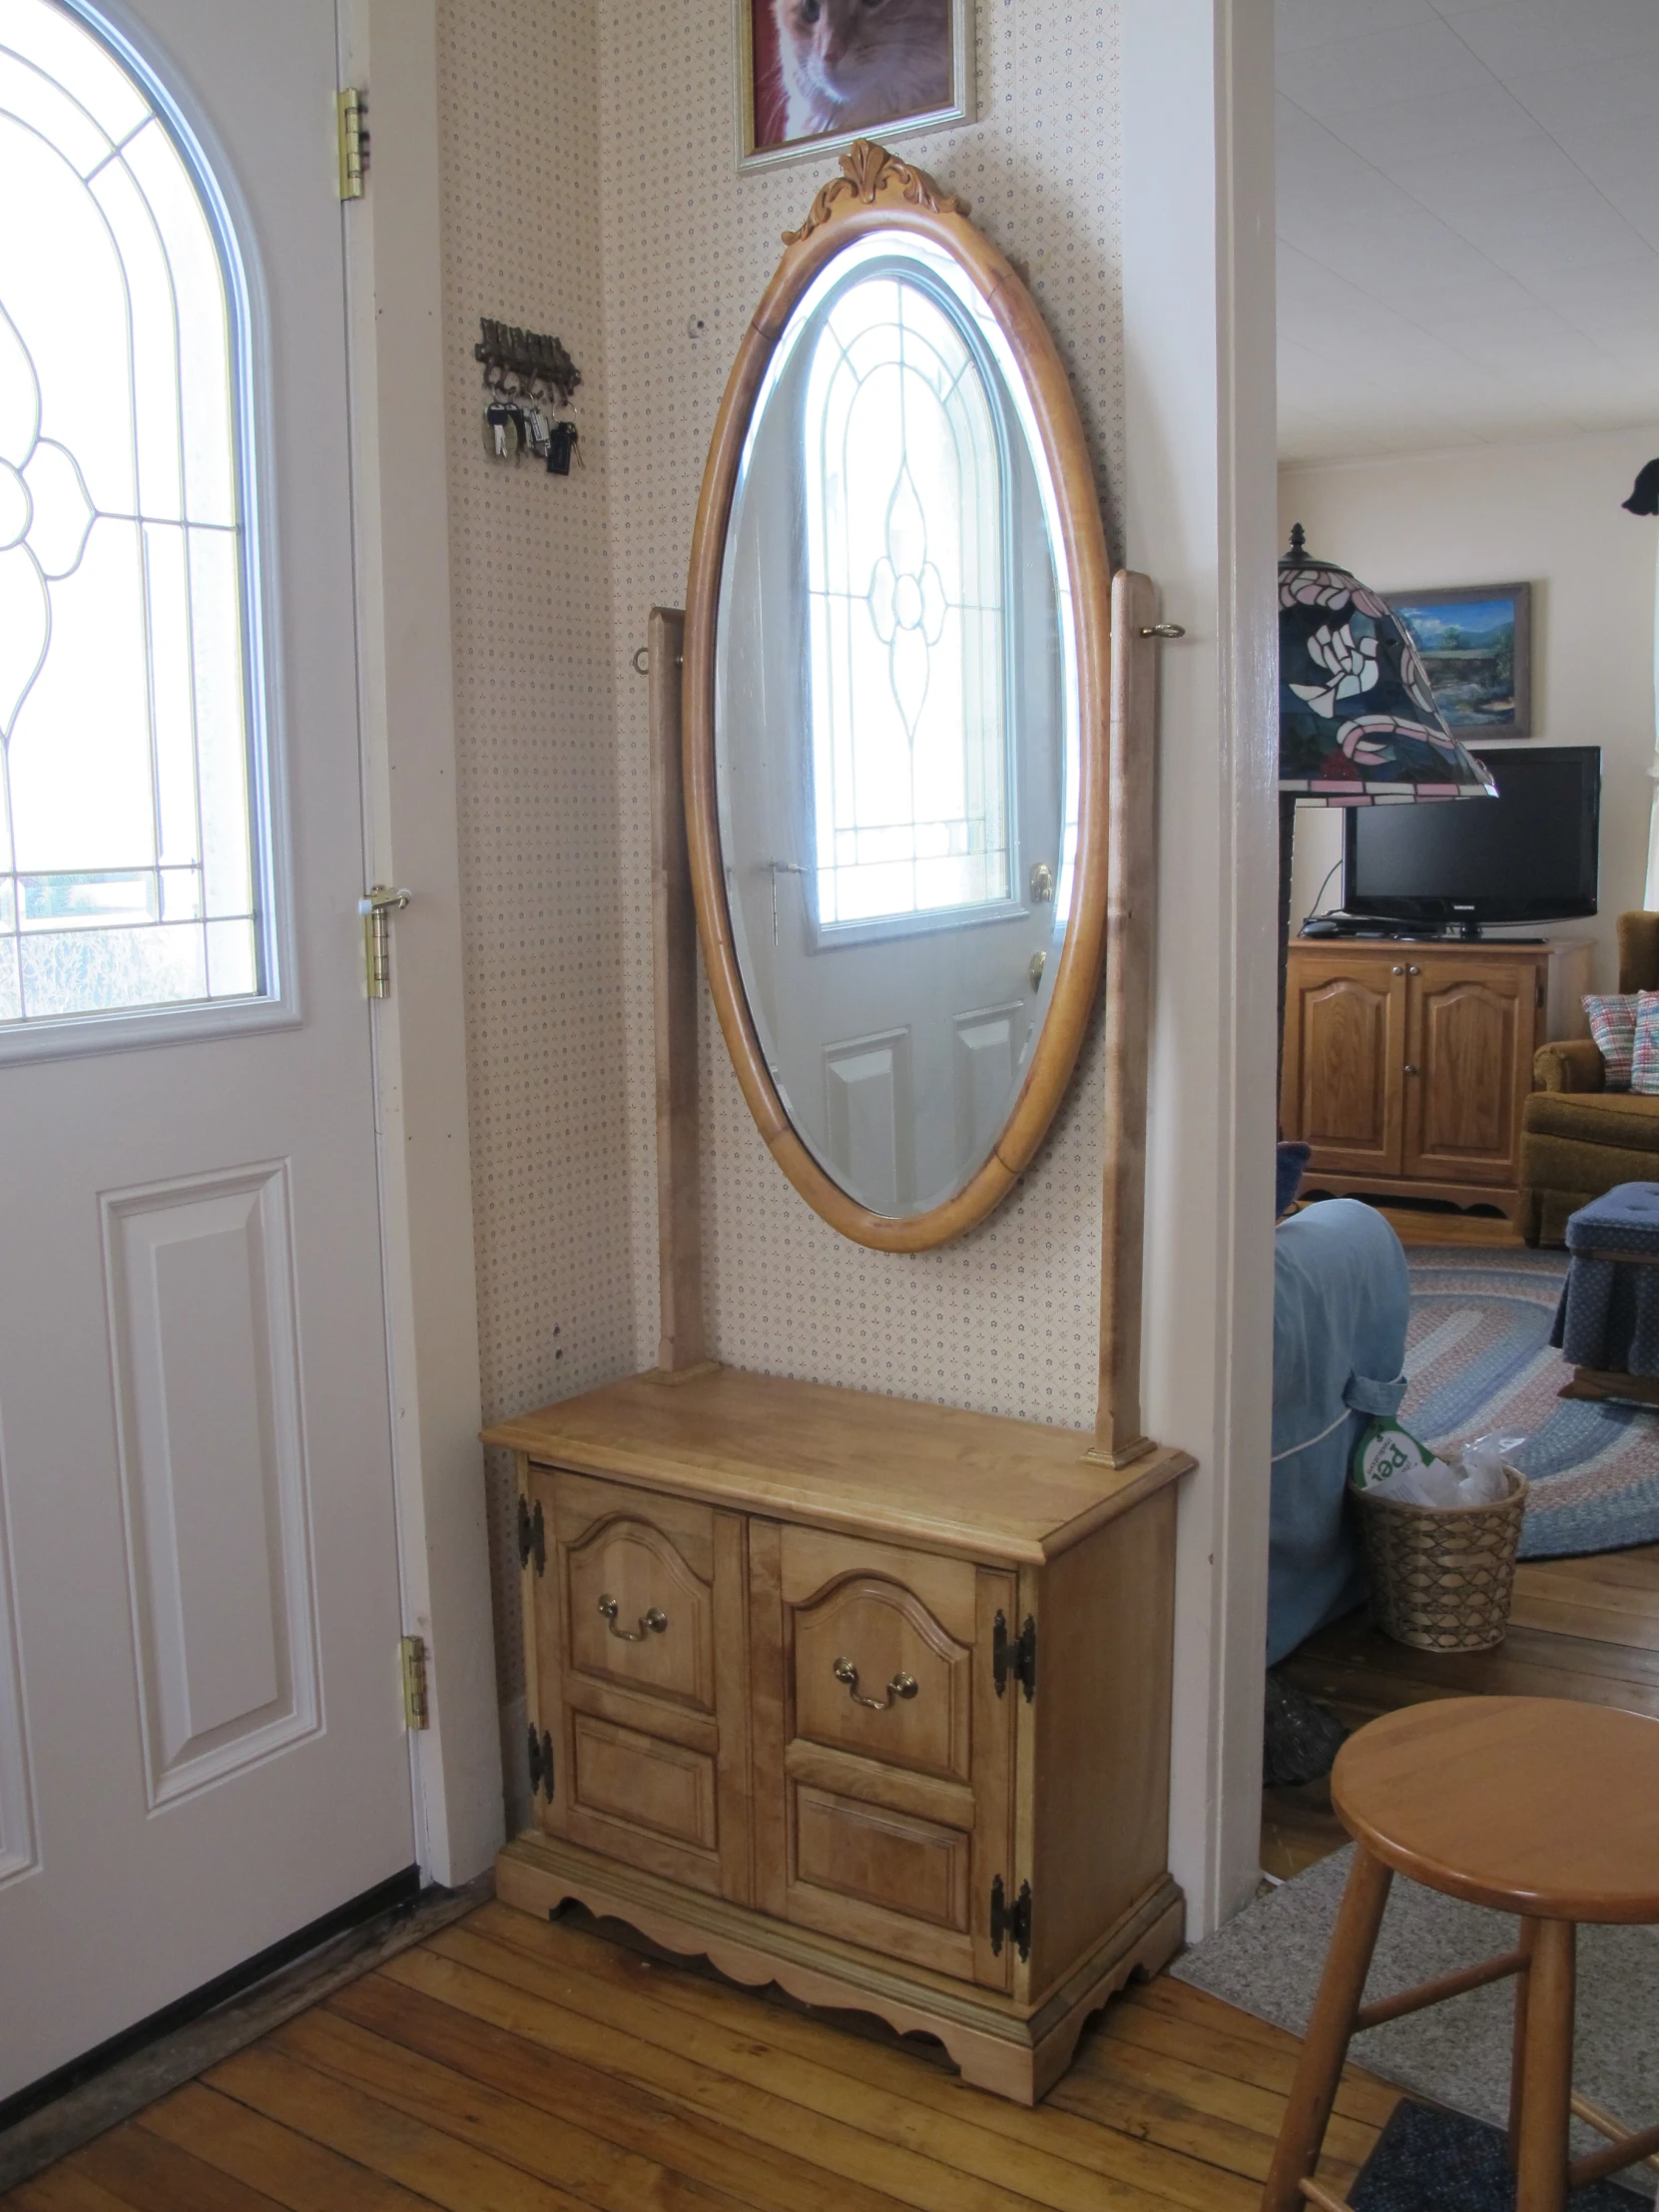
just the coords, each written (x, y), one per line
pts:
(1268, 1962)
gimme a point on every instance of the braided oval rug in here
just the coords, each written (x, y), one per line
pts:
(1478, 1360)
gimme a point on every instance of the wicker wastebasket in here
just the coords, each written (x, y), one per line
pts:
(1441, 1576)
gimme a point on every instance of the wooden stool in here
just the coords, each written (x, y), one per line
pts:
(1532, 1806)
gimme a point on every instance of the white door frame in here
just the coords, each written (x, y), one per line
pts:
(1200, 503)
(401, 504)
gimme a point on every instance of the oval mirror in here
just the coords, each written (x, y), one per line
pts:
(895, 713)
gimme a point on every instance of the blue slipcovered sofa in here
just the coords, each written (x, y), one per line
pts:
(1340, 1300)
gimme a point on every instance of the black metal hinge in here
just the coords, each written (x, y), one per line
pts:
(532, 1537)
(1013, 1921)
(1015, 1656)
(541, 1763)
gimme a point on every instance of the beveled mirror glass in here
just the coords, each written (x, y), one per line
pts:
(895, 711)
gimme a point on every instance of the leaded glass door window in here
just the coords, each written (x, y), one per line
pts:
(132, 873)
(905, 532)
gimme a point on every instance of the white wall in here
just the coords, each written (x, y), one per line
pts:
(1549, 514)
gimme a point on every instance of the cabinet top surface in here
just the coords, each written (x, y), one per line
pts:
(887, 1466)
(1438, 948)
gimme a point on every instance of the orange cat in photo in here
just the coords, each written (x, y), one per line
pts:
(849, 64)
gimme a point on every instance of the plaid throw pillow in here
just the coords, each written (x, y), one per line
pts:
(1613, 1026)
(1644, 1061)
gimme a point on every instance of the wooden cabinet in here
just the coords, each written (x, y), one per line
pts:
(1406, 1065)
(864, 1697)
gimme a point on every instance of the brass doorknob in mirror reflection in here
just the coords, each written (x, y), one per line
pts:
(902, 1685)
(651, 1624)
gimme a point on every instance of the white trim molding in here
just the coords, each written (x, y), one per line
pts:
(1200, 501)
(394, 300)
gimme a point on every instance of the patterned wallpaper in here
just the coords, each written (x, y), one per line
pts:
(589, 188)
(535, 721)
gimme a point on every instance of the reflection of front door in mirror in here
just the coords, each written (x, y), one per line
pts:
(894, 707)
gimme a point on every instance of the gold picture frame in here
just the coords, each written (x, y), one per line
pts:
(758, 151)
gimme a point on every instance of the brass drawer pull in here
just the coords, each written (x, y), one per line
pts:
(902, 1685)
(651, 1624)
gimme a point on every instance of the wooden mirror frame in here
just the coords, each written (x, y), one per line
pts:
(877, 192)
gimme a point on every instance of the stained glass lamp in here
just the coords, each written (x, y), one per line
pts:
(1358, 723)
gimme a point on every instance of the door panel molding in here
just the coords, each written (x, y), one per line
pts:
(17, 1812)
(204, 1346)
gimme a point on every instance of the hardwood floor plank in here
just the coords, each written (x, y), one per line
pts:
(1242, 2058)
(156, 2176)
(295, 2173)
(884, 2141)
(1578, 1609)
(1204, 2096)
(422, 2158)
(879, 2065)
(1361, 1673)
(1247, 2153)
(60, 2190)
(607, 2176)
(1635, 1570)
(704, 2149)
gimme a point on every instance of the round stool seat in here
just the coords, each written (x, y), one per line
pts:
(1536, 1805)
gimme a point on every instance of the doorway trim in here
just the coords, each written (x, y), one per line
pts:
(1200, 511)
(394, 308)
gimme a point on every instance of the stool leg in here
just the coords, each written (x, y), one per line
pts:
(1325, 2046)
(1547, 2089)
(1526, 1942)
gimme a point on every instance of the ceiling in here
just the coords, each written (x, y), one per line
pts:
(1468, 221)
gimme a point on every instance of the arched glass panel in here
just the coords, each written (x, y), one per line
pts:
(904, 462)
(129, 853)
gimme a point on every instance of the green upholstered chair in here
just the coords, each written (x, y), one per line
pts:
(1577, 1138)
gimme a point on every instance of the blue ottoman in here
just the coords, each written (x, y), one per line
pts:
(1607, 1323)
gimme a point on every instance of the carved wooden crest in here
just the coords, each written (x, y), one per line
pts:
(868, 171)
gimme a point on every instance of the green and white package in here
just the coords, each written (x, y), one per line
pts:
(1388, 1461)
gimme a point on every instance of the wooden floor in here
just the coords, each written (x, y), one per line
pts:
(1580, 1628)
(1423, 1225)
(509, 2065)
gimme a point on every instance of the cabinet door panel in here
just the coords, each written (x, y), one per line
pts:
(1470, 1044)
(886, 1859)
(1344, 1046)
(894, 1816)
(644, 1780)
(648, 1724)
(876, 1673)
(640, 1612)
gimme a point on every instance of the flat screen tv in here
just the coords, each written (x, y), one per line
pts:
(1530, 854)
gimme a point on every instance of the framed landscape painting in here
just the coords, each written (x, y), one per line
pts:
(813, 75)
(1476, 644)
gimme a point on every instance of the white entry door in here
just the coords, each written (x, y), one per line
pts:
(201, 1734)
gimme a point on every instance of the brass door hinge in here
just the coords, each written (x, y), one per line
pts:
(1016, 1656)
(1010, 1921)
(350, 106)
(377, 905)
(412, 1653)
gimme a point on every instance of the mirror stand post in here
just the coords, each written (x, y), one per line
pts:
(1119, 1438)
(682, 1345)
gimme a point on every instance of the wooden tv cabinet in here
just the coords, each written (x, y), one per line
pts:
(867, 1698)
(1406, 1065)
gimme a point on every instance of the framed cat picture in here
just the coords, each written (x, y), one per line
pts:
(813, 75)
